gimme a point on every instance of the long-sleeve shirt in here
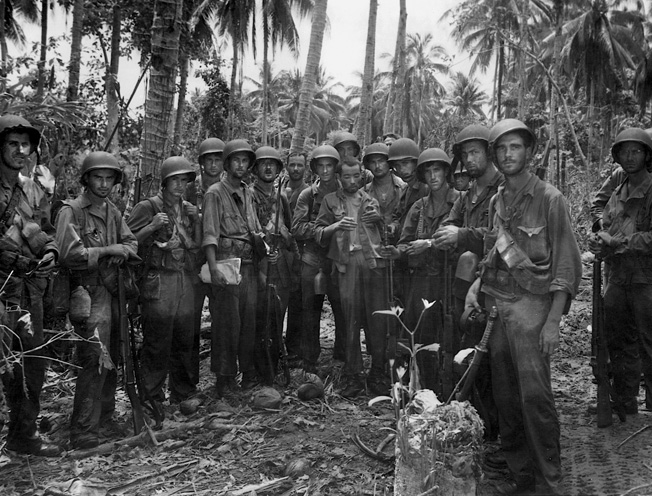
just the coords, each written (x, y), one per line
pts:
(83, 228)
(627, 217)
(470, 213)
(389, 203)
(422, 221)
(229, 219)
(539, 223)
(604, 193)
(28, 232)
(367, 236)
(414, 190)
(303, 222)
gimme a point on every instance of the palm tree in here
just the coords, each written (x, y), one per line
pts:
(466, 98)
(75, 51)
(364, 116)
(279, 29)
(10, 29)
(422, 88)
(310, 75)
(166, 30)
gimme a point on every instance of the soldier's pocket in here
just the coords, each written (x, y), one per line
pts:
(151, 287)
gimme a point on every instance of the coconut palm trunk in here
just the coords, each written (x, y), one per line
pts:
(112, 102)
(154, 143)
(310, 76)
(399, 121)
(40, 88)
(75, 51)
(364, 118)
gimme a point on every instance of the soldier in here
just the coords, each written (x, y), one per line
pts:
(277, 268)
(94, 241)
(168, 230)
(347, 145)
(390, 138)
(315, 264)
(386, 188)
(624, 242)
(348, 225)
(463, 231)
(296, 169)
(426, 263)
(27, 256)
(230, 231)
(531, 272)
(211, 169)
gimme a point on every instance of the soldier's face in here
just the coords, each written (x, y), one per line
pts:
(267, 169)
(511, 154)
(631, 156)
(100, 182)
(435, 175)
(212, 164)
(175, 186)
(239, 164)
(378, 165)
(405, 168)
(474, 157)
(350, 177)
(347, 149)
(325, 169)
(462, 180)
(296, 167)
(16, 150)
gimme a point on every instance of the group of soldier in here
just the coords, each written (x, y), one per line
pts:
(366, 228)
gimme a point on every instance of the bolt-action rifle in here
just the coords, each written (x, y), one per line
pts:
(599, 352)
(448, 336)
(273, 315)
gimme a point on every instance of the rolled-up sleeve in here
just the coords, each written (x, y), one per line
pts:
(566, 260)
(302, 228)
(211, 219)
(72, 252)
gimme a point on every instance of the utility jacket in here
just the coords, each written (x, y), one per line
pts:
(390, 204)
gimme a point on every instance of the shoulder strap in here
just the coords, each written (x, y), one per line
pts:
(11, 206)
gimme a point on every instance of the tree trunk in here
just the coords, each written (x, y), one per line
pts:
(310, 76)
(75, 51)
(523, 15)
(364, 117)
(265, 98)
(3, 48)
(556, 57)
(112, 101)
(154, 144)
(184, 70)
(499, 83)
(399, 121)
(40, 88)
(233, 91)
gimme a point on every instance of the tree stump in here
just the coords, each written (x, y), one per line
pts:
(438, 450)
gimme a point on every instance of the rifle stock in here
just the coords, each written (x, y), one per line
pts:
(600, 353)
(129, 373)
(448, 338)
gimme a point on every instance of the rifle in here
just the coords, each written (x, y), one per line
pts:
(472, 370)
(129, 375)
(448, 337)
(599, 352)
(272, 301)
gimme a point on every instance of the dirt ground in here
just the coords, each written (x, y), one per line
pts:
(311, 442)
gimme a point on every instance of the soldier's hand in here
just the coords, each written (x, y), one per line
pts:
(347, 224)
(160, 220)
(217, 278)
(418, 246)
(191, 210)
(390, 252)
(549, 338)
(446, 237)
(371, 216)
(46, 265)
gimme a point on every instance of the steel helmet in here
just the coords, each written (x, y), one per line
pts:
(459, 167)
(633, 134)
(269, 152)
(343, 137)
(506, 126)
(403, 148)
(323, 151)
(10, 123)
(474, 132)
(175, 166)
(375, 149)
(236, 146)
(211, 145)
(428, 157)
(101, 160)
